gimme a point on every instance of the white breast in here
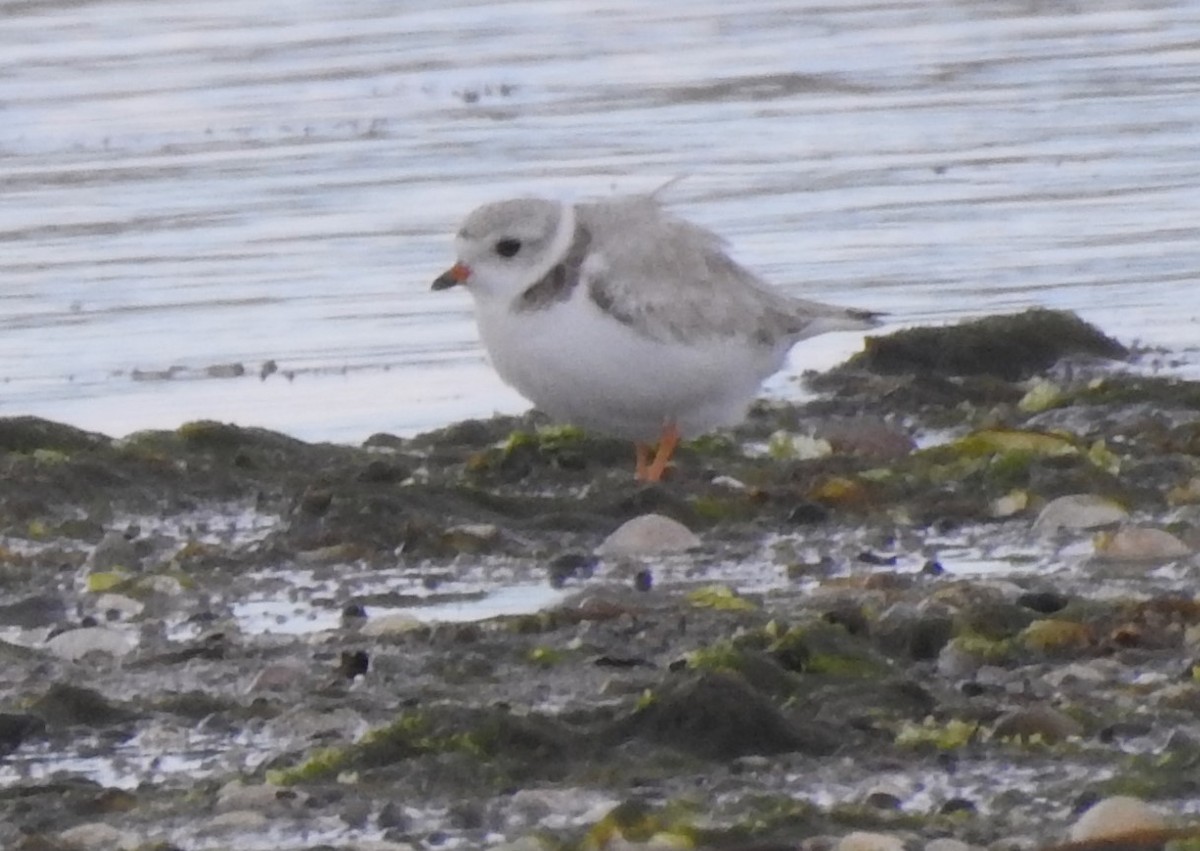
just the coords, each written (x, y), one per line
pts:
(581, 366)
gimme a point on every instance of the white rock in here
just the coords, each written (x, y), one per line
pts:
(127, 606)
(168, 586)
(862, 840)
(235, 821)
(278, 677)
(74, 644)
(394, 623)
(885, 791)
(1090, 673)
(648, 535)
(1139, 544)
(1120, 814)
(947, 844)
(99, 836)
(236, 796)
(1078, 511)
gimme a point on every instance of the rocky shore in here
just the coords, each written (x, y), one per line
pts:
(952, 599)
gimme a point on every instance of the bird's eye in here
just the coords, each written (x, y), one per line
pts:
(508, 247)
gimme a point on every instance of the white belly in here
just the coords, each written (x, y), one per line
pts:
(583, 367)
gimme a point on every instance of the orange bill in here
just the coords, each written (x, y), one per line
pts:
(455, 275)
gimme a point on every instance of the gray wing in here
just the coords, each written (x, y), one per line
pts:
(670, 279)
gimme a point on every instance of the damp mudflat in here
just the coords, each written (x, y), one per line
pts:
(218, 637)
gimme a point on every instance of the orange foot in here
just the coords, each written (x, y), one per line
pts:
(651, 469)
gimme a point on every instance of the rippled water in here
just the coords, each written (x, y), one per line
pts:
(188, 186)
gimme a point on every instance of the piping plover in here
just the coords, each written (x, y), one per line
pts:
(618, 317)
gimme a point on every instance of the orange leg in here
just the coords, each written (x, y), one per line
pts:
(652, 470)
(644, 453)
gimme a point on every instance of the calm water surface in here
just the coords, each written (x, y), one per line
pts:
(186, 186)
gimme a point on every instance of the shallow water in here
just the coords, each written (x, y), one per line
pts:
(197, 185)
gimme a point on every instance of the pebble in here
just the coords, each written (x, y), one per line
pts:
(1045, 722)
(278, 677)
(236, 796)
(395, 623)
(74, 644)
(948, 844)
(235, 821)
(1139, 544)
(1115, 816)
(127, 607)
(886, 795)
(647, 535)
(99, 836)
(1078, 511)
(862, 840)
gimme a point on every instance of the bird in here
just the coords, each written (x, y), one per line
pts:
(622, 318)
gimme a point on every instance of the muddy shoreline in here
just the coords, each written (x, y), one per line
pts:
(952, 596)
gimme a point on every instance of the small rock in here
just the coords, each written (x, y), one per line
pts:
(946, 843)
(167, 586)
(394, 623)
(236, 796)
(1085, 674)
(862, 840)
(571, 565)
(1012, 347)
(1139, 544)
(1045, 722)
(1043, 602)
(472, 538)
(126, 607)
(99, 836)
(74, 644)
(719, 715)
(1013, 502)
(225, 370)
(869, 437)
(1078, 511)
(393, 815)
(1112, 817)
(647, 535)
(885, 796)
(953, 805)
(278, 677)
(807, 513)
(235, 821)
(354, 663)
